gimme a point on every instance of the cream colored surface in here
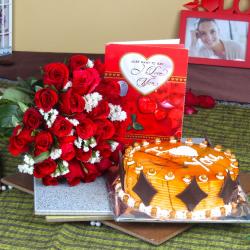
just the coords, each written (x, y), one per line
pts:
(86, 25)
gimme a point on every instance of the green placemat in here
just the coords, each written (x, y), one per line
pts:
(228, 125)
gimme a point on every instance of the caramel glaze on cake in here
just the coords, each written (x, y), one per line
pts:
(170, 167)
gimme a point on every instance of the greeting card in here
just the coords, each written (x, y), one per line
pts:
(152, 78)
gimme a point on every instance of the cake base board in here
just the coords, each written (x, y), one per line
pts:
(87, 199)
(74, 218)
(153, 233)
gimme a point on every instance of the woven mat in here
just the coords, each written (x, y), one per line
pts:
(228, 125)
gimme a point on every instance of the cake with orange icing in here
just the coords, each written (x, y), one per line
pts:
(175, 180)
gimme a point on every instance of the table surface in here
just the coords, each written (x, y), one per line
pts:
(228, 125)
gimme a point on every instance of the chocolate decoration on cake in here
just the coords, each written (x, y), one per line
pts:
(121, 169)
(192, 195)
(228, 188)
(144, 189)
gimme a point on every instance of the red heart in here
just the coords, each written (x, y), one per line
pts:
(210, 5)
(146, 105)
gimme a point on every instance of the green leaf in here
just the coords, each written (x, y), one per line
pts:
(16, 95)
(32, 80)
(43, 156)
(37, 88)
(4, 101)
(22, 106)
(26, 90)
(129, 127)
(15, 121)
(7, 132)
(7, 112)
(22, 82)
(137, 126)
(133, 117)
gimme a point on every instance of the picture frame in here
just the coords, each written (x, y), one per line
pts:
(200, 31)
(5, 27)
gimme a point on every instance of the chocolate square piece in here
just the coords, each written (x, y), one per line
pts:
(144, 189)
(228, 189)
(192, 195)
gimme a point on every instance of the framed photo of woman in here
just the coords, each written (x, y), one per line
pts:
(216, 38)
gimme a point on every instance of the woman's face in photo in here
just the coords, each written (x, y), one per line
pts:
(208, 32)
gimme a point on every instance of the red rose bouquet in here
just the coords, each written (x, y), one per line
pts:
(65, 124)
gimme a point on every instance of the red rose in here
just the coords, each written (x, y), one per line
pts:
(105, 129)
(91, 172)
(32, 119)
(68, 151)
(191, 99)
(120, 131)
(76, 173)
(160, 114)
(85, 81)
(146, 105)
(50, 181)
(55, 74)
(44, 168)
(83, 156)
(19, 141)
(103, 165)
(104, 148)
(101, 111)
(46, 99)
(110, 89)
(61, 127)
(86, 129)
(205, 101)
(99, 66)
(43, 142)
(79, 117)
(129, 107)
(162, 93)
(71, 102)
(77, 62)
(66, 139)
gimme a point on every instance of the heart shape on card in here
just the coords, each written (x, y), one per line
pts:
(146, 74)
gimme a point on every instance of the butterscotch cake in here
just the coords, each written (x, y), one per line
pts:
(174, 180)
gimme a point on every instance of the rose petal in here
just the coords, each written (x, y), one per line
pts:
(189, 110)
(191, 99)
(206, 101)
